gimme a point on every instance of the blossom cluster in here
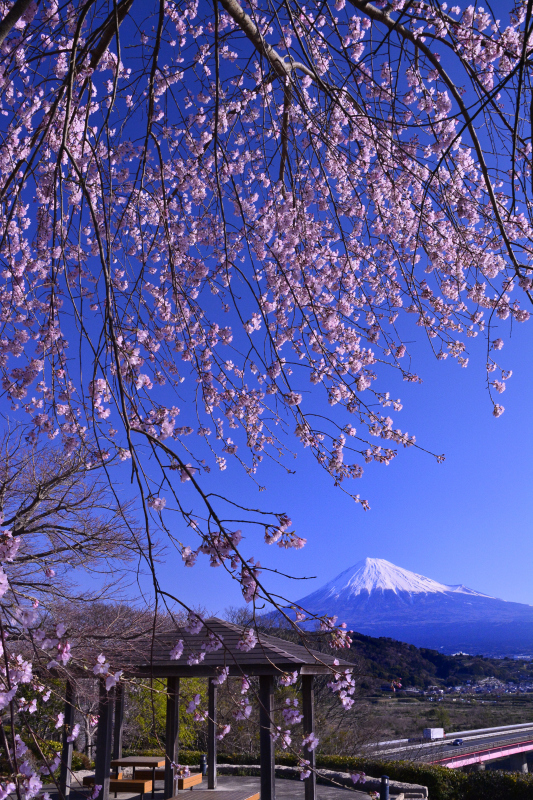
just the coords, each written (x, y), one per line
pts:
(343, 686)
(316, 229)
(17, 672)
(103, 669)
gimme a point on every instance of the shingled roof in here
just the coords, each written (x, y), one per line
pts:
(269, 656)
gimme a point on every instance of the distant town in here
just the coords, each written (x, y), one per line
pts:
(485, 686)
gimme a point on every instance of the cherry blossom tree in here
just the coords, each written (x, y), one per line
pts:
(222, 224)
(219, 225)
(60, 517)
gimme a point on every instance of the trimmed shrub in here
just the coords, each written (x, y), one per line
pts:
(81, 761)
(498, 785)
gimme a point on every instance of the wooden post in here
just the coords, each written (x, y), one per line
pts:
(172, 734)
(119, 721)
(65, 774)
(308, 708)
(103, 741)
(212, 735)
(266, 742)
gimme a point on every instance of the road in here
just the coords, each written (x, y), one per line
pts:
(443, 748)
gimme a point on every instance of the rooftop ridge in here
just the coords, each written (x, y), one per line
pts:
(270, 655)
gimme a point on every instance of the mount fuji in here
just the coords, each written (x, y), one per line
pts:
(377, 598)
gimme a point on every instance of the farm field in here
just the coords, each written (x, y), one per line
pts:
(399, 718)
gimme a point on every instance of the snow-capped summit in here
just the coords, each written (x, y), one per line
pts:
(372, 574)
(378, 598)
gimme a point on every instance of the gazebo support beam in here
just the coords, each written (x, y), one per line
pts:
(103, 741)
(308, 708)
(119, 721)
(65, 774)
(266, 742)
(172, 733)
(212, 735)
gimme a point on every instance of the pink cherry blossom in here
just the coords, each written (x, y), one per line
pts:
(310, 742)
(157, 503)
(6, 789)
(248, 641)
(223, 731)
(193, 704)
(101, 667)
(291, 713)
(4, 582)
(289, 679)
(176, 651)
(221, 677)
(73, 735)
(112, 679)
(194, 623)
(243, 710)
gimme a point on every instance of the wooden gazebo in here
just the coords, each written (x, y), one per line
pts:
(269, 658)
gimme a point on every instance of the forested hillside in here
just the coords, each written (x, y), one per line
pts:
(381, 660)
(387, 660)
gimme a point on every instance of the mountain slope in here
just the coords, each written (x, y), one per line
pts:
(377, 598)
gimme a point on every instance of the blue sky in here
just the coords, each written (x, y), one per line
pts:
(467, 520)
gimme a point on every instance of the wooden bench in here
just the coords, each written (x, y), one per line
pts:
(190, 781)
(183, 783)
(123, 785)
(146, 774)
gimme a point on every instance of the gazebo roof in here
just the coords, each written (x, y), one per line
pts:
(216, 645)
(270, 656)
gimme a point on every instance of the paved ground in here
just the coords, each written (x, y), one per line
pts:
(285, 789)
(289, 790)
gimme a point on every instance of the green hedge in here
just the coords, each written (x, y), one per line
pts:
(442, 783)
(498, 785)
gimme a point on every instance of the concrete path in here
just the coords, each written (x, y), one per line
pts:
(285, 789)
(288, 790)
